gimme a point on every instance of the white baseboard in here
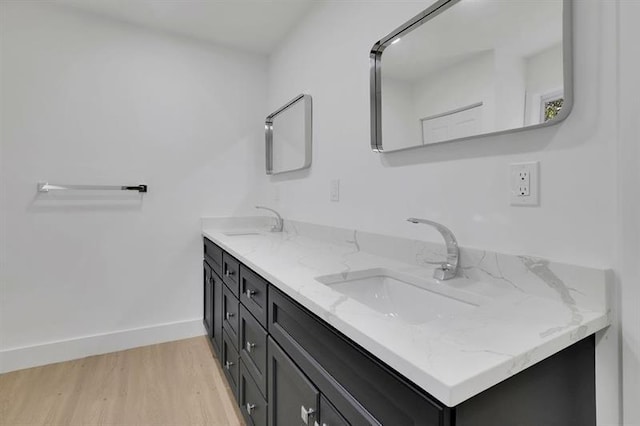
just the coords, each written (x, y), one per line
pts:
(80, 347)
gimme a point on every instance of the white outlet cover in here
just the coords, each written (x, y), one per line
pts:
(532, 170)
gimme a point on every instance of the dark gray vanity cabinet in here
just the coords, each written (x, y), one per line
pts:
(239, 301)
(559, 391)
(288, 367)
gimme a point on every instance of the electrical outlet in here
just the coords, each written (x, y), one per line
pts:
(334, 190)
(524, 184)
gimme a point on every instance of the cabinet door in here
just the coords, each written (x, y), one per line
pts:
(217, 287)
(293, 400)
(208, 299)
(329, 416)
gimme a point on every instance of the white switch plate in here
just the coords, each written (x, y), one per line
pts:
(334, 190)
(524, 183)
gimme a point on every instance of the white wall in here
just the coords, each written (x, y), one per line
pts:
(89, 100)
(458, 86)
(495, 78)
(544, 70)
(628, 219)
(288, 153)
(509, 83)
(544, 74)
(463, 185)
(401, 126)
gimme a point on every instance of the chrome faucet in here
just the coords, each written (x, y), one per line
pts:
(279, 222)
(448, 269)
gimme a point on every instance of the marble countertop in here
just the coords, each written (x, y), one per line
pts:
(530, 308)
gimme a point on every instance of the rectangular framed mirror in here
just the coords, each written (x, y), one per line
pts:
(465, 68)
(288, 136)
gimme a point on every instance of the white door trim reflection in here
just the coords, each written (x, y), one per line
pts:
(454, 124)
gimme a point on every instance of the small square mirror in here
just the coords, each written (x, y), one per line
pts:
(288, 137)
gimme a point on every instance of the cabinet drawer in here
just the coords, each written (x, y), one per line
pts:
(253, 348)
(230, 272)
(329, 415)
(252, 403)
(253, 294)
(230, 363)
(230, 314)
(365, 383)
(213, 254)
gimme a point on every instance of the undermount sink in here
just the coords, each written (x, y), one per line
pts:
(240, 233)
(410, 299)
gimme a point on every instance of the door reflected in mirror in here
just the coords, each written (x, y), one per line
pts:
(464, 68)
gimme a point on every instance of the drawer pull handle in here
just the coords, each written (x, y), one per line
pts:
(229, 273)
(249, 346)
(229, 315)
(250, 407)
(228, 364)
(250, 293)
(306, 413)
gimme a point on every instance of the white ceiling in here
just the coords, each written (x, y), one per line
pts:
(252, 25)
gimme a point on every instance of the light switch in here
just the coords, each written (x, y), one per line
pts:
(334, 190)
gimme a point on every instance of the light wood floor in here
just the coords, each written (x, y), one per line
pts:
(176, 383)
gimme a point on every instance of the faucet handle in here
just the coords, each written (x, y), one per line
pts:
(446, 271)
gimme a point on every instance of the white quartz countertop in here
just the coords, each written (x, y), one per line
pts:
(453, 357)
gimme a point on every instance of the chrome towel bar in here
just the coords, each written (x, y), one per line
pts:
(46, 187)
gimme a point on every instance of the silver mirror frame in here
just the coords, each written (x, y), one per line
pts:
(375, 72)
(268, 131)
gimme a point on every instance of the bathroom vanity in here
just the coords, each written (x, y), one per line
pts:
(299, 345)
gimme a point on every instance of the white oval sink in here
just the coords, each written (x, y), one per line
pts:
(405, 297)
(240, 233)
